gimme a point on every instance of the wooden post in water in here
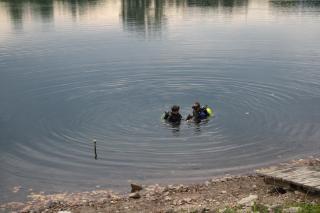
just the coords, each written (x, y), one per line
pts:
(95, 149)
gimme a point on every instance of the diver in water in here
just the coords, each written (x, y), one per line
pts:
(174, 116)
(199, 113)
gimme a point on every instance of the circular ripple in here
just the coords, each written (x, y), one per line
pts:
(253, 125)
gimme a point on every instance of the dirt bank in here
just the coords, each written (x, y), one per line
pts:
(214, 195)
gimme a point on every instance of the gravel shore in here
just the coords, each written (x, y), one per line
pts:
(215, 195)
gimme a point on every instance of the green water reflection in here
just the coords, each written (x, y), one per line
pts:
(136, 15)
(142, 16)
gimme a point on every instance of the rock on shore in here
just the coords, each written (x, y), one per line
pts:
(215, 195)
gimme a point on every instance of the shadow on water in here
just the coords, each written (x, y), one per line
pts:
(174, 127)
(175, 130)
(198, 125)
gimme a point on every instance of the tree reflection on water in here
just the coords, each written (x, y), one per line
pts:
(18, 10)
(146, 17)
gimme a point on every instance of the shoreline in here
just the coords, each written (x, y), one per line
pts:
(242, 192)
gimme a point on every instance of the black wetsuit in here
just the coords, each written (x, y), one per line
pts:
(172, 118)
(197, 116)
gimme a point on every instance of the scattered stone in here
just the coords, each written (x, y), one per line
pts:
(248, 200)
(166, 193)
(273, 207)
(187, 200)
(222, 210)
(50, 204)
(135, 187)
(292, 210)
(246, 209)
(204, 210)
(26, 208)
(134, 195)
(114, 197)
(175, 202)
(171, 198)
(298, 193)
(16, 189)
(13, 205)
(170, 211)
(167, 198)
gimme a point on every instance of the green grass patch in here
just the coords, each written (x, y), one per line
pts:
(261, 208)
(308, 208)
(257, 207)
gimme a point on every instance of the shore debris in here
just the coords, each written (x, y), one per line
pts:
(292, 210)
(247, 201)
(135, 187)
(134, 195)
(218, 194)
(16, 189)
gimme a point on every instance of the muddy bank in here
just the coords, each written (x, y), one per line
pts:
(216, 194)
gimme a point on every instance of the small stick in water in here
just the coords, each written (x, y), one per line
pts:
(95, 149)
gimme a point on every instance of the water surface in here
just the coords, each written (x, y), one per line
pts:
(75, 71)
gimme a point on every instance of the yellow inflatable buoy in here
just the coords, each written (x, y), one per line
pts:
(210, 111)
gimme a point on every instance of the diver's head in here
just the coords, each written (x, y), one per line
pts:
(175, 109)
(196, 106)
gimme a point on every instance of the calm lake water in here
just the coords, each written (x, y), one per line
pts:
(74, 71)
